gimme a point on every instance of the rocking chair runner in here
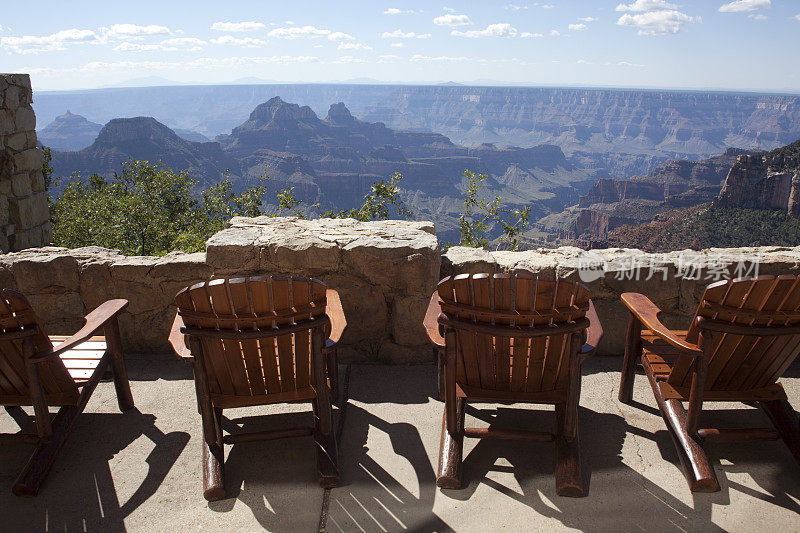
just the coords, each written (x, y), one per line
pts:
(744, 336)
(512, 339)
(35, 373)
(257, 341)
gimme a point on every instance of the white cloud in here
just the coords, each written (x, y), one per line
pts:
(31, 44)
(744, 5)
(544, 6)
(529, 35)
(514, 7)
(353, 46)
(646, 5)
(388, 58)
(298, 31)
(247, 42)
(757, 16)
(134, 31)
(349, 59)
(492, 30)
(656, 22)
(797, 17)
(395, 11)
(340, 36)
(238, 26)
(191, 42)
(628, 64)
(400, 34)
(418, 57)
(448, 10)
(139, 47)
(396, 45)
(555, 33)
(452, 20)
(577, 27)
(587, 19)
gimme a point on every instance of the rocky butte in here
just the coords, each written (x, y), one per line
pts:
(765, 181)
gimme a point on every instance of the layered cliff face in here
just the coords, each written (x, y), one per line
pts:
(69, 132)
(146, 139)
(676, 179)
(765, 181)
(623, 132)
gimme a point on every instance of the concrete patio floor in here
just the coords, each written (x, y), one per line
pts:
(141, 471)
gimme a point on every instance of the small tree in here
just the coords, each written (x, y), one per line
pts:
(378, 202)
(480, 216)
(147, 210)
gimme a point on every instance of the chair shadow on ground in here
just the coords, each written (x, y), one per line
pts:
(276, 479)
(80, 493)
(618, 494)
(769, 464)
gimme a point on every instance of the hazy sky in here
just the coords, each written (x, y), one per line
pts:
(744, 44)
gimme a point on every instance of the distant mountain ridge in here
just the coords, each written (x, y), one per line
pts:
(69, 132)
(624, 131)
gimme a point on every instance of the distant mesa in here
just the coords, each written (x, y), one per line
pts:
(69, 132)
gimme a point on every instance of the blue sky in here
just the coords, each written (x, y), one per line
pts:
(739, 45)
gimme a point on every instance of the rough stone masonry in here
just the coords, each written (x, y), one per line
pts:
(24, 216)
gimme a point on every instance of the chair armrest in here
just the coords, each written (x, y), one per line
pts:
(178, 339)
(431, 321)
(335, 313)
(95, 320)
(594, 334)
(647, 312)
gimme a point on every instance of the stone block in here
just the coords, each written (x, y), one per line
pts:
(12, 97)
(25, 119)
(37, 181)
(41, 209)
(7, 122)
(407, 315)
(17, 141)
(42, 272)
(21, 212)
(21, 184)
(28, 160)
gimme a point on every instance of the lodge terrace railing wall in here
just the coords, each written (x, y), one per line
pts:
(385, 272)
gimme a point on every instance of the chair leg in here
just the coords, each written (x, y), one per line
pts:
(785, 420)
(569, 477)
(633, 352)
(451, 447)
(325, 442)
(214, 461)
(117, 363)
(38, 466)
(332, 364)
(696, 466)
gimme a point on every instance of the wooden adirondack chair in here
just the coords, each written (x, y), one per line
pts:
(257, 341)
(512, 339)
(34, 372)
(745, 334)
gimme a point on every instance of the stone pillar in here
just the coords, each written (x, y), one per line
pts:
(24, 214)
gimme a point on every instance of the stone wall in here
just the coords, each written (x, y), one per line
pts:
(674, 281)
(24, 216)
(384, 271)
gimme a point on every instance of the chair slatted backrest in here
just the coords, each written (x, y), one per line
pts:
(743, 362)
(270, 364)
(516, 364)
(16, 315)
